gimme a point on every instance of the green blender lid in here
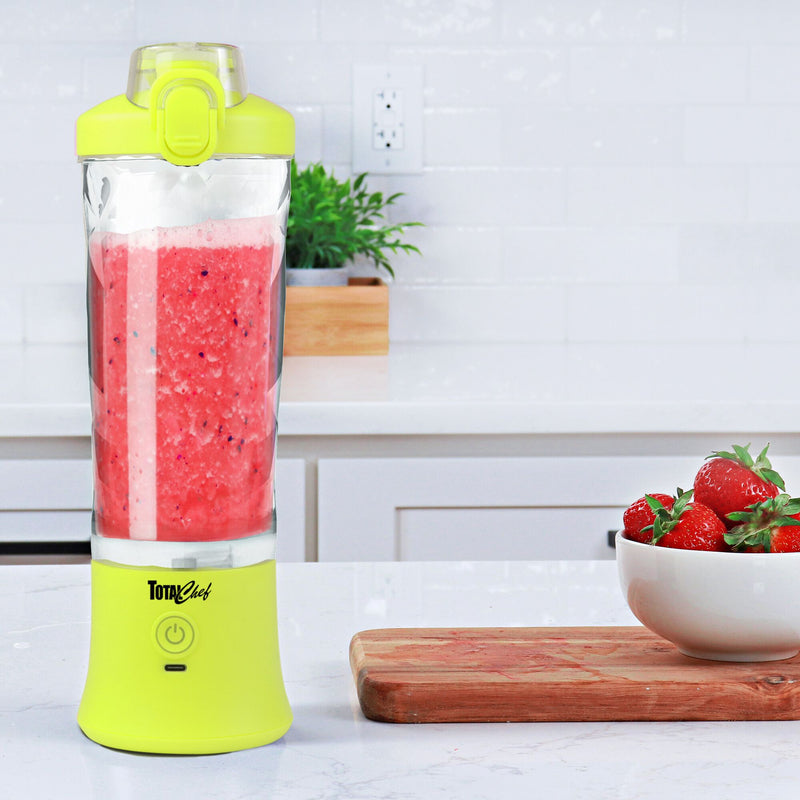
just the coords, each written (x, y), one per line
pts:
(186, 103)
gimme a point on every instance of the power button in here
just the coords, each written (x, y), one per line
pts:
(175, 634)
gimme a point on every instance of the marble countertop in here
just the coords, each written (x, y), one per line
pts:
(420, 389)
(332, 752)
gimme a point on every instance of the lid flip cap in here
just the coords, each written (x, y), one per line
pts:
(188, 113)
(186, 103)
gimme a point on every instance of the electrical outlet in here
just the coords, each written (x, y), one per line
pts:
(387, 119)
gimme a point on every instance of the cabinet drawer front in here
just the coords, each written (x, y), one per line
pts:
(504, 534)
(45, 484)
(45, 526)
(384, 509)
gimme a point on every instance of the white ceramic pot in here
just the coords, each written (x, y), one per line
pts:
(316, 277)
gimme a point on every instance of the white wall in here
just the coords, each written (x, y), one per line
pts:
(595, 170)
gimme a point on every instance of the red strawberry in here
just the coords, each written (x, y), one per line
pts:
(771, 526)
(639, 515)
(730, 482)
(687, 526)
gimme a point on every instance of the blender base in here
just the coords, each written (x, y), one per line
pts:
(184, 661)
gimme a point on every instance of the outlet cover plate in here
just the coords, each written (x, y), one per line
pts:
(387, 119)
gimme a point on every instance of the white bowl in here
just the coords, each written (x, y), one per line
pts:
(720, 606)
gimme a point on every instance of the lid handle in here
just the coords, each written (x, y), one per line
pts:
(188, 114)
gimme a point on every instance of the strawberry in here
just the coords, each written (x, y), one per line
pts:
(687, 525)
(639, 515)
(730, 482)
(771, 526)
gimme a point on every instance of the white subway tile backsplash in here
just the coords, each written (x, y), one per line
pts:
(774, 194)
(33, 72)
(308, 132)
(626, 135)
(743, 21)
(463, 137)
(741, 253)
(580, 158)
(403, 21)
(12, 316)
(484, 197)
(40, 191)
(43, 131)
(295, 74)
(676, 74)
(297, 21)
(37, 254)
(606, 254)
(656, 195)
(743, 135)
(477, 314)
(535, 136)
(105, 73)
(337, 134)
(55, 313)
(656, 313)
(186, 21)
(781, 324)
(452, 256)
(592, 21)
(52, 21)
(774, 74)
(491, 76)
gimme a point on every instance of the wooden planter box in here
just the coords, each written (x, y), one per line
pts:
(350, 320)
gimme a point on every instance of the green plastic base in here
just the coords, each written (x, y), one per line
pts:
(184, 661)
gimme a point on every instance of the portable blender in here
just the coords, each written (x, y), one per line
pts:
(186, 196)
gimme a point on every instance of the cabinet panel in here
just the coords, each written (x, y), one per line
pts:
(39, 484)
(290, 502)
(381, 509)
(487, 534)
(45, 526)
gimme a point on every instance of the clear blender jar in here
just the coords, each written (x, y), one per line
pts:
(186, 196)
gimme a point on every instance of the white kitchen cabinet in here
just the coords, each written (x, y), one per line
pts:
(386, 509)
(50, 500)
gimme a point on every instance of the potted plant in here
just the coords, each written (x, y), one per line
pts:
(331, 222)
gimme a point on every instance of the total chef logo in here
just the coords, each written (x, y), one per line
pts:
(178, 593)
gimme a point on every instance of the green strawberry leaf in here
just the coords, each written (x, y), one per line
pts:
(761, 467)
(654, 503)
(792, 507)
(738, 516)
(666, 519)
(757, 524)
(682, 500)
(772, 477)
(658, 531)
(743, 454)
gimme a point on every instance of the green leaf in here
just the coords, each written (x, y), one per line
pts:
(332, 221)
(658, 531)
(738, 516)
(773, 477)
(743, 454)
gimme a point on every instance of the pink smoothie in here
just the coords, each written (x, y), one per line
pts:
(184, 333)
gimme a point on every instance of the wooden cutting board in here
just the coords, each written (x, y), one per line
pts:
(558, 674)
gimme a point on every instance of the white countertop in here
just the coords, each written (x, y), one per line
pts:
(466, 389)
(331, 751)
